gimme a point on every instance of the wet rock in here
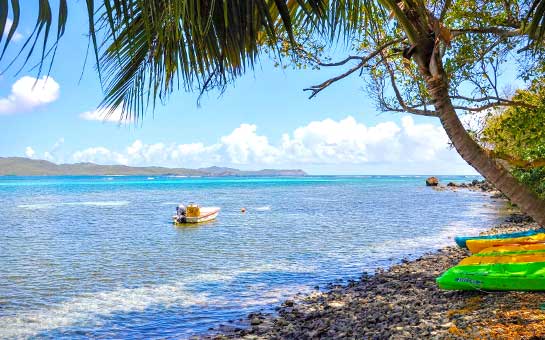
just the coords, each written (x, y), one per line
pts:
(519, 218)
(255, 321)
(498, 195)
(432, 181)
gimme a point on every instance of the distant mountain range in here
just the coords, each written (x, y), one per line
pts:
(20, 166)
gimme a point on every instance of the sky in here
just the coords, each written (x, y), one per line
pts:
(263, 120)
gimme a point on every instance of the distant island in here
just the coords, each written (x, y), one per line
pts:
(20, 166)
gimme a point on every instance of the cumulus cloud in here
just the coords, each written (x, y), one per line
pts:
(29, 152)
(245, 146)
(28, 93)
(104, 115)
(16, 36)
(100, 155)
(327, 142)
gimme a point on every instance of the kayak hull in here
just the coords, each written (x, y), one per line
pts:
(496, 276)
(461, 240)
(476, 246)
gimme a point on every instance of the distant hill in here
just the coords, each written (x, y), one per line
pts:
(20, 166)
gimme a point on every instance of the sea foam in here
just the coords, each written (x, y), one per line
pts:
(89, 308)
(90, 204)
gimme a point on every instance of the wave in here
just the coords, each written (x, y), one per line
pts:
(438, 240)
(263, 208)
(90, 204)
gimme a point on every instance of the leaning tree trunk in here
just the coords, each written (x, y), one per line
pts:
(476, 156)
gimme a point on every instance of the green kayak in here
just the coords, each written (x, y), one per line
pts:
(513, 267)
(497, 276)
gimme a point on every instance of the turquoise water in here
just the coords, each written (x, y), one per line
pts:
(98, 257)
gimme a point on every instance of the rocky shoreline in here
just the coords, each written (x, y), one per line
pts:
(404, 302)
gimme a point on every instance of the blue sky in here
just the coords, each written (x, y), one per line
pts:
(264, 120)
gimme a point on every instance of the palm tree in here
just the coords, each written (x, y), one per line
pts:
(536, 24)
(151, 47)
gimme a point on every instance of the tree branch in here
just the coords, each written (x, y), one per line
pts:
(503, 32)
(514, 161)
(404, 106)
(498, 102)
(315, 89)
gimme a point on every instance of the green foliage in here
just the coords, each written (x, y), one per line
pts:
(533, 178)
(519, 133)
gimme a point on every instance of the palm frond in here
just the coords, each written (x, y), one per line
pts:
(40, 34)
(145, 49)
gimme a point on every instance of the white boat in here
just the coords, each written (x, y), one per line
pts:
(198, 215)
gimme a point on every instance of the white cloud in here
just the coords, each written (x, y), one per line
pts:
(16, 36)
(244, 146)
(345, 141)
(57, 144)
(100, 155)
(327, 143)
(28, 93)
(29, 152)
(104, 115)
(48, 156)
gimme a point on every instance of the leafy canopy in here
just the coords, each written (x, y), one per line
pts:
(518, 134)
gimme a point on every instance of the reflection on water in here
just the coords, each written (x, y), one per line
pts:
(98, 257)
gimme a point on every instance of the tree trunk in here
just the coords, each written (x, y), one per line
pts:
(476, 156)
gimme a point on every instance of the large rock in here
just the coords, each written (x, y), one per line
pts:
(432, 181)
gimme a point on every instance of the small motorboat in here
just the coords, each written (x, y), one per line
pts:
(194, 214)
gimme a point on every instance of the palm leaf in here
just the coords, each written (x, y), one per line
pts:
(149, 48)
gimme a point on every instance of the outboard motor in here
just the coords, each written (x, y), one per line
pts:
(180, 212)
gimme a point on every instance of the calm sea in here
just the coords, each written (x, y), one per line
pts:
(98, 256)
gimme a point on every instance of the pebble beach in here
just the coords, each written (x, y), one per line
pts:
(403, 302)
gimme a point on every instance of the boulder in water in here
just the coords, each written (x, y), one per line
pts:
(432, 182)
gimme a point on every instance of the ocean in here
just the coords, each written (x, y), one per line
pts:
(99, 257)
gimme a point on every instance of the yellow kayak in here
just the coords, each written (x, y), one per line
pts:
(513, 249)
(476, 246)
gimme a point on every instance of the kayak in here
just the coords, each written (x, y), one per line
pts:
(513, 249)
(461, 240)
(513, 267)
(205, 214)
(496, 276)
(476, 246)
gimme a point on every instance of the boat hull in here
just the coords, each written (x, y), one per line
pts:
(461, 240)
(207, 214)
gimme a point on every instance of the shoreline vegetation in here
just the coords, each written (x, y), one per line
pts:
(403, 302)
